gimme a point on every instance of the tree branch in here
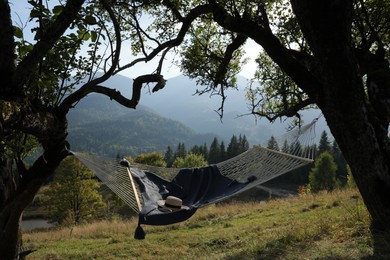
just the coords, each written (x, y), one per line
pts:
(228, 55)
(27, 66)
(89, 86)
(271, 44)
(114, 94)
(288, 112)
(186, 23)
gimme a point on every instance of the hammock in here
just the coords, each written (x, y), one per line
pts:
(143, 188)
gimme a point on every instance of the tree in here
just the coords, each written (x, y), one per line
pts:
(181, 150)
(205, 151)
(223, 151)
(243, 144)
(153, 159)
(190, 161)
(233, 147)
(73, 196)
(215, 152)
(323, 174)
(169, 156)
(324, 144)
(272, 144)
(330, 54)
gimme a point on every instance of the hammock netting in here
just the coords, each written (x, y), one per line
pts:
(141, 186)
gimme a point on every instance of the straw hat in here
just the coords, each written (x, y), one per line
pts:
(171, 203)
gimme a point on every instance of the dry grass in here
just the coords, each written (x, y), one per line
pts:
(324, 226)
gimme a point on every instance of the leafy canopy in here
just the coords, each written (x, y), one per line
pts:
(73, 197)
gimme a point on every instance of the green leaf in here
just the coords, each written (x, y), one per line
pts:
(93, 36)
(90, 20)
(18, 32)
(57, 9)
(86, 36)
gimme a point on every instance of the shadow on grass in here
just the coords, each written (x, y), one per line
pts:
(381, 245)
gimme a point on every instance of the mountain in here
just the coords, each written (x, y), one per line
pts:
(177, 101)
(167, 117)
(101, 126)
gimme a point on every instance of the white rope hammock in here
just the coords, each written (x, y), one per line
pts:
(259, 163)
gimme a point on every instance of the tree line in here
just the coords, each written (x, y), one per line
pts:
(215, 153)
(82, 197)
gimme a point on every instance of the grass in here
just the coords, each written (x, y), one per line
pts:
(324, 226)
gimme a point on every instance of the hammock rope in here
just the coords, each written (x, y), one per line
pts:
(258, 164)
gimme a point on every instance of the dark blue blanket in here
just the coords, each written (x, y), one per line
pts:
(197, 187)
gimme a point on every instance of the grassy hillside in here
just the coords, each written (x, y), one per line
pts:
(324, 226)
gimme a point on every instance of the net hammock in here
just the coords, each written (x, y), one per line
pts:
(146, 188)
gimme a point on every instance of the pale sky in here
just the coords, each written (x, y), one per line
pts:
(20, 13)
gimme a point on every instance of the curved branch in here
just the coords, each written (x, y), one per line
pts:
(118, 42)
(271, 44)
(114, 94)
(223, 66)
(288, 112)
(186, 23)
(88, 87)
(137, 85)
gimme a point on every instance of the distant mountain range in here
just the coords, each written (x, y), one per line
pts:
(163, 118)
(101, 126)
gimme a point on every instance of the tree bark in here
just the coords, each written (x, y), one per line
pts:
(15, 202)
(352, 118)
(19, 185)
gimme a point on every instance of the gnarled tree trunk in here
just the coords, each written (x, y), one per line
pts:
(19, 185)
(358, 122)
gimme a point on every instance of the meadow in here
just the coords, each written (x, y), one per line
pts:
(333, 225)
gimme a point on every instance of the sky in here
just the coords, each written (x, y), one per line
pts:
(20, 13)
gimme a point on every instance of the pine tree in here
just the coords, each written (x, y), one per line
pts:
(214, 152)
(286, 147)
(205, 151)
(181, 150)
(233, 147)
(243, 144)
(323, 175)
(272, 144)
(196, 149)
(324, 144)
(223, 151)
(169, 157)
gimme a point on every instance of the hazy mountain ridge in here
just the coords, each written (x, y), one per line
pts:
(103, 127)
(167, 117)
(178, 101)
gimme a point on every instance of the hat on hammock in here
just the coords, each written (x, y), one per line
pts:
(171, 203)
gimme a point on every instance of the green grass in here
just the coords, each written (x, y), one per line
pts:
(325, 226)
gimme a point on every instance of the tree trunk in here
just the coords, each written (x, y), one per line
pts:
(12, 208)
(9, 215)
(360, 131)
(17, 195)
